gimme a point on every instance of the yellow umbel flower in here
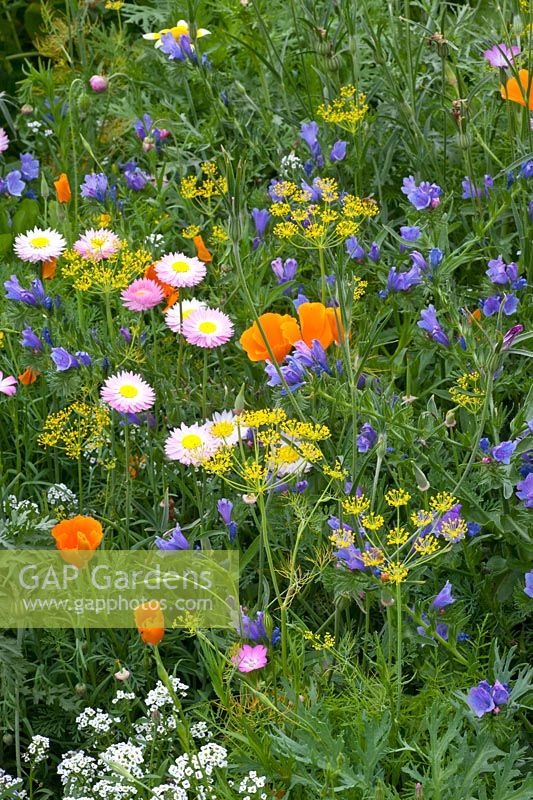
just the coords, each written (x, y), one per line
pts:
(346, 111)
(355, 505)
(397, 498)
(443, 501)
(372, 522)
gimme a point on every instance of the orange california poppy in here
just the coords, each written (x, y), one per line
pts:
(62, 185)
(201, 250)
(77, 539)
(281, 331)
(335, 323)
(28, 376)
(517, 91)
(150, 622)
(171, 294)
(315, 323)
(473, 315)
(48, 269)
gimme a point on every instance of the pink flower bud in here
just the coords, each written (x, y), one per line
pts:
(122, 675)
(98, 83)
(164, 134)
(486, 460)
(435, 202)
(148, 144)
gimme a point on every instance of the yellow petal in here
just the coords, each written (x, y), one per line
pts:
(202, 32)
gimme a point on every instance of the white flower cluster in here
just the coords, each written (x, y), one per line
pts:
(199, 730)
(147, 730)
(122, 695)
(109, 790)
(76, 767)
(11, 787)
(160, 696)
(95, 719)
(196, 771)
(168, 791)
(290, 163)
(250, 786)
(155, 240)
(61, 495)
(37, 749)
(126, 755)
(22, 506)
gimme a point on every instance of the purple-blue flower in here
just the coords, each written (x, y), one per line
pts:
(63, 359)
(444, 597)
(338, 151)
(503, 452)
(410, 233)
(284, 270)
(373, 253)
(524, 490)
(526, 170)
(177, 541)
(309, 134)
(429, 323)
(95, 186)
(528, 588)
(435, 257)
(424, 195)
(367, 438)
(484, 698)
(30, 339)
(351, 557)
(29, 167)
(470, 191)
(353, 248)
(501, 273)
(260, 217)
(13, 184)
(403, 281)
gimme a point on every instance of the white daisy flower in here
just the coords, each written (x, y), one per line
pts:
(39, 245)
(180, 270)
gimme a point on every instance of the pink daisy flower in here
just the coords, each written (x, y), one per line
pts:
(128, 393)
(95, 245)
(190, 444)
(4, 141)
(207, 327)
(174, 314)
(8, 385)
(141, 295)
(180, 271)
(39, 245)
(250, 658)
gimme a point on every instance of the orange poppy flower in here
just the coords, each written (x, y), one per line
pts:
(281, 331)
(171, 294)
(150, 622)
(335, 323)
(48, 269)
(201, 250)
(28, 376)
(317, 323)
(518, 91)
(63, 192)
(77, 539)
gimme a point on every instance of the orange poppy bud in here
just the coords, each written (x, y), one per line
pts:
(28, 376)
(150, 622)
(201, 250)
(171, 294)
(281, 331)
(48, 269)
(77, 539)
(63, 192)
(518, 92)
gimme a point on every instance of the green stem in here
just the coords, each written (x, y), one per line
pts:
(266, 546)
(399, 648)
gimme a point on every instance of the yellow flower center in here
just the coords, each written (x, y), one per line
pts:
(128, 391)
(141, 293)
(207, 327)
(191, 441)
(186, 312)
(180, 266)
(222, 429)
(40, 241)
(98, 241)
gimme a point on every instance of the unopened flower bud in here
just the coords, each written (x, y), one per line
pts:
(419, 791)
(7, 739)
(80, 689)
(486, 460)
(249, 499)
(238, 406)
(98, 83)
(450, 419)
(26, 109)
(148, 144)
(123, 674)
(421, 480)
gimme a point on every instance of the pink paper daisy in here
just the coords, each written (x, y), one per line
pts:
(250, 658)
(4, 141)
(39, 245)
(8, 385)
(180, 271)
(190, 444)
(174, 314)
(95, 245)
(141, 295)
(207, 327)
(128, 393)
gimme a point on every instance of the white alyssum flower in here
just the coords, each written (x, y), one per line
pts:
(37, 749)
(95, 719)
(122, 695)
(159, 697)
(76, 766)
(199, 730)
(11, 787)
(126, 755)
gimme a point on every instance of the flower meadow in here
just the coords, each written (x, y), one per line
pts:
(266, 288)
